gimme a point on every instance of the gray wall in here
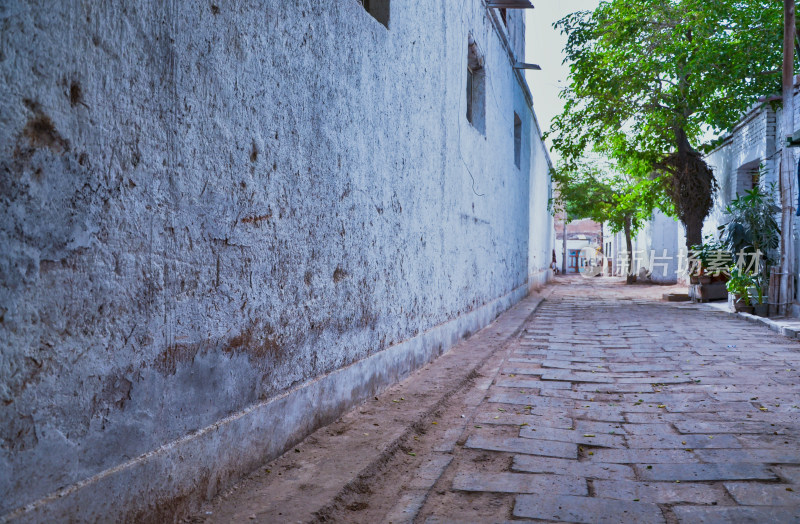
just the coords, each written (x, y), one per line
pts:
(756, 143)
(751, 144)
(223, 224)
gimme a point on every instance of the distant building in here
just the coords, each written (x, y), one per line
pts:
(657, 251)
(584, 240)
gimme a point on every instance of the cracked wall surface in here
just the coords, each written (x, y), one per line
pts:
(205, 206)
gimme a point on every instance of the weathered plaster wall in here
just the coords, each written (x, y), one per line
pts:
(755, 143)
(224, 223)
(751, 144)
(542, 234)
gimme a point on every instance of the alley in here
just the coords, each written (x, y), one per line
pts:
(604, 404)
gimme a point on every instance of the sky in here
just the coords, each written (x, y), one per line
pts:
(545, 46)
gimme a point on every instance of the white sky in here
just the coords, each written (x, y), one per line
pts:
(545, 46)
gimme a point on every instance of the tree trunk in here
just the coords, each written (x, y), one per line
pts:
(692, 218)
(787, 180)
(602, 252)
(694, 233)
(691, 187)
(630, 278)
(564, 247)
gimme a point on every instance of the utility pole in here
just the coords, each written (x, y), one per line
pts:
(786, 292)
(564, 246)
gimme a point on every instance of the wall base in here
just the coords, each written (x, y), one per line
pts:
(166, 483)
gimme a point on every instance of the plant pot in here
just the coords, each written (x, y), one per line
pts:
(694, 279)
(761, 310)
(740, 307)
(705, 279)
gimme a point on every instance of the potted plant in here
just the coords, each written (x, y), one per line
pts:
(739, 286)
(759, 307)
(711, 259)
(752, 233)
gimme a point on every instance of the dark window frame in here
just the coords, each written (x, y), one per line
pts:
(379, 9)
(517, 141)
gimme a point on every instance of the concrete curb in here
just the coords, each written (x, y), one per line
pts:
(787, 328)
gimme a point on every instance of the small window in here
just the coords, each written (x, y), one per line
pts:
(476, 88)
(379, 9)
(748, 178)
(517, 140)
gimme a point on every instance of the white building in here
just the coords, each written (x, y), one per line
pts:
(750, 155)
(658, 250)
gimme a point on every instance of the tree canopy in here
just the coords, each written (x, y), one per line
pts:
(607, 194)
(601, 193)
(650, 80)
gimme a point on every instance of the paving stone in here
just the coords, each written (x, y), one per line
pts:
(662, 397)
(523, 383)
(573, 395)
(555, 418)
(718, 515)
(649, 418)
(790, 474)
(427, 475)
(648, 429)
(704, 472)
(766, 456)
(504, 396)
(777, 439)
(577, 437)
(614, 388)
(586, 510)
(755, 494)
(546, 448)
(575, 468)
(553, 385)
(658, 441)
(711, 406)
(532, 353)
(407, 507)
(575, 366)
(521, 359)
(644, 456)
(597, 412)
(659, 492)
(598, 378)
(505, 418)
(523, 370)
(447, 442)
(596, 426)
(643, 367)
(654, 380)
(520, 483)
(697, 426)
(435, 519)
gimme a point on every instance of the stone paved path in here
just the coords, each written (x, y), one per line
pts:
(614, 407)
(605, 405)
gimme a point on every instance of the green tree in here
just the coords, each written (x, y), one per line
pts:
(606, 195)
(651, 78)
